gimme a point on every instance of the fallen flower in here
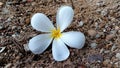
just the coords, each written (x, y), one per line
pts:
(40, 43)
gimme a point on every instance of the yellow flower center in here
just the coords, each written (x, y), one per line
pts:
(56, 33)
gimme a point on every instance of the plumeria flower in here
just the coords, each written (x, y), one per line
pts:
(56, 36)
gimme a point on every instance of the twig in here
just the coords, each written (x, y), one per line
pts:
(20, 47)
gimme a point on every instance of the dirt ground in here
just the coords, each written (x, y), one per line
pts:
(99, 20)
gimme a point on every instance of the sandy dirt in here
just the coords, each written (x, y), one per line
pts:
(99, 20)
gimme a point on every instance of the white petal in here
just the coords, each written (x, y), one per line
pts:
(41, 22)
(59, 50)
(64, 17)
(74, 39)
(39, 43)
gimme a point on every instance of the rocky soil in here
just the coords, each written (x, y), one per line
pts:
(99, 20)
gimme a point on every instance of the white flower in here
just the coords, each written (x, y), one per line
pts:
(60, 39)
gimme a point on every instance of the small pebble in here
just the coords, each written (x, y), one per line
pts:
(102, 50)
(92, 32)
(8, 65)
(118, 31)
(104, 12)
(96, 25)
(33, 3)
(97, 35)
(26, 48)
(100, 3)
(98, 11)
(24, 0)
(29, 0)
(104, 30)
(1, 27)
(107, 51)
(13, 27)
(95, 57)
(82, 66)
(113, 48)
(109, 37)
(14, 35)
(1, 4)
(117, 28)
(116, 65)
(1, 37)
(113, 32)
(27, 21)
(17, 57)
(93, 45)
(102, 25)
(5, 11)
(118, 55)
(106, 62)
(8, 20)
(80, 23)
